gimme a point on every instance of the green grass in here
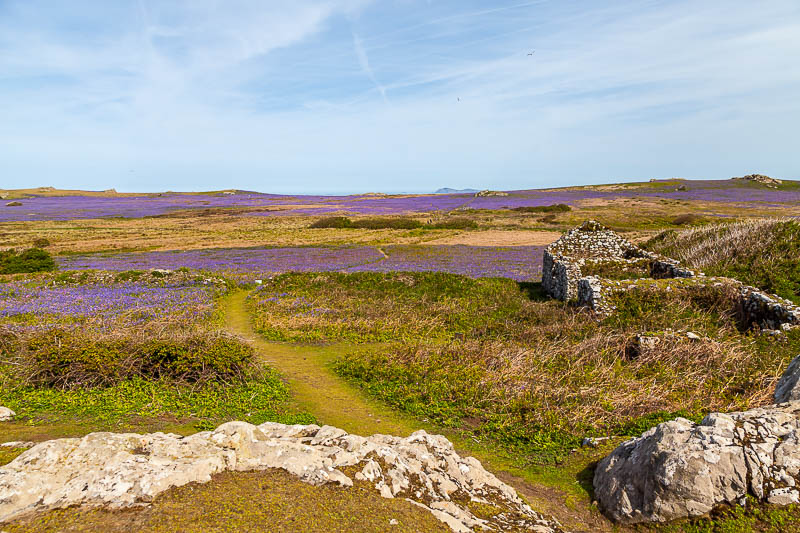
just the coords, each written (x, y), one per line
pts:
(376, 307)
(752, 518)
(534, 377)
(273, 501)
(763, 253)
(255, 400)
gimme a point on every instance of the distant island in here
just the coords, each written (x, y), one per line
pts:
(448, 190)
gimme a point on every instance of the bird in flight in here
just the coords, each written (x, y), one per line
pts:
(531, 53)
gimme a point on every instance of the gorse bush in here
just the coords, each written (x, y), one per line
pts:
(393, 223)
(66, 358)
(554, 208)
(453, 223)
(30, 260)
(332, 222)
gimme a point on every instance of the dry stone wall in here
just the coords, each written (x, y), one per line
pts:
(591, 244)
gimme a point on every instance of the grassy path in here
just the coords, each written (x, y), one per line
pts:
(317, 390)
(314, 386)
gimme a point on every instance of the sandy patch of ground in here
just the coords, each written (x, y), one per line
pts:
(500, 238)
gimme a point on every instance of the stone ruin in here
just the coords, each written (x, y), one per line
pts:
(569, 262)
(593, 244)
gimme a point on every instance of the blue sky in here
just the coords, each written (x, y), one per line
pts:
(397, 95)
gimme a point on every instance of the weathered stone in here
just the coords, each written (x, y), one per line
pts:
(760, 178)
(119, 470)
(6, 414)
(679, 469)
(487, 192)
(788, 387)
(591, 242)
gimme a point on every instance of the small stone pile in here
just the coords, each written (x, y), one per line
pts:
(680, 469)
(121, 470)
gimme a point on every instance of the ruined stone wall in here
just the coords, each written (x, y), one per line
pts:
(592, 243)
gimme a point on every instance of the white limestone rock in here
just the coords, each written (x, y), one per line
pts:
(120, 470)
(679, 469)
(6, 414)
(788, 387)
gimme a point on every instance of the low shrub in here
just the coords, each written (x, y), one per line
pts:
(453, 223)
(30, 260)
(616, 270)
(332, 222)
(554, 208)
(687, 219)
(67, 358)
(41, 243)
(386, 223)
(392, 223)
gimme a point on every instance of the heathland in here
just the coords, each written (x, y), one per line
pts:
(382, 314)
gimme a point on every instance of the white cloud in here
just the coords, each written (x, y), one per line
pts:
(267, 95)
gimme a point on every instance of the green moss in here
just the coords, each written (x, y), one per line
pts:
(9, 454)
(251, 502)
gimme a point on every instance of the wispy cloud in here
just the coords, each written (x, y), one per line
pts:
(363, 60)
(266, 94)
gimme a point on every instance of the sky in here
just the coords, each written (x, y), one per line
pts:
(344, 96)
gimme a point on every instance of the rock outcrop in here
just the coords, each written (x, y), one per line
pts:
(6, 414)
(788, 387)
(760, 178)
(119, 470)
(680, 469)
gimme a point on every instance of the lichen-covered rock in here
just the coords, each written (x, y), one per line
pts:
(6, 414)
(679, 469)
(788, 387)
(119, 470)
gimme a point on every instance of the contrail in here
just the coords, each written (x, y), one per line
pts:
(363, 60)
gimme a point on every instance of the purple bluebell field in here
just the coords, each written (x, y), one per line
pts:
(30, 304)
(521, 263)
(742, 194)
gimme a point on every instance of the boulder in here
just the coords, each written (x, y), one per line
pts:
(788, 388)
(680, 469)
(121, 470)
(13, 204)
(6, 414)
